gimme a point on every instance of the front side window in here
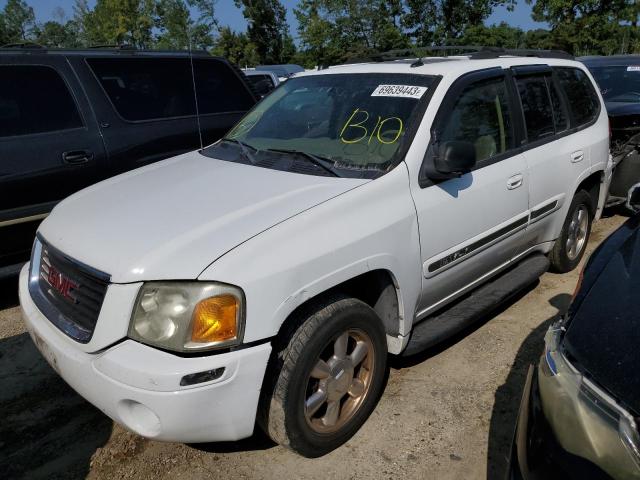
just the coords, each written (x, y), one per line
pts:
(583, 100)
(536, 106)
(147, 88)
(481, 116)
(35, 99)
(356, 122)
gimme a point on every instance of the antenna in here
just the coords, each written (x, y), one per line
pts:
(195, 92)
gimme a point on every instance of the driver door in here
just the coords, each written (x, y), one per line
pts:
(472, 226)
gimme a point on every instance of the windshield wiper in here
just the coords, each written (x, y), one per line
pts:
(324, 163)
(244, 147)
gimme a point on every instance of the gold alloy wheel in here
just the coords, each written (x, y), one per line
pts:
(339, 382)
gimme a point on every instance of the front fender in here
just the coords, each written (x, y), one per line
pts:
(373, 227)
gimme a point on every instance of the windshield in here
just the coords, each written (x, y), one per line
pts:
(357, 122)
(618, 83)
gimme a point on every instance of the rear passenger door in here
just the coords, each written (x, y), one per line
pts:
(556, 145)
(472, 226)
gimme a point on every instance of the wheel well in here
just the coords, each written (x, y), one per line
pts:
(375, 288)
(591, 185)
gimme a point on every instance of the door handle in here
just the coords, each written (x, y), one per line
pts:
(577, 156)
(515, 182)
(77, 157)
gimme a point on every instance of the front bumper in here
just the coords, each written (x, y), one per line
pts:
(139, 386)
(564, 438)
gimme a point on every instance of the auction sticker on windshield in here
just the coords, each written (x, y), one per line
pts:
(405, 91)
(633, 68)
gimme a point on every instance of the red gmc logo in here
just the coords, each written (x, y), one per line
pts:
(62, 284)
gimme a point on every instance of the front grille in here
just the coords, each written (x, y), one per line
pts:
(68, 292)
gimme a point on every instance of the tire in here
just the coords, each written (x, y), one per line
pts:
(296, 378)
(575, 233)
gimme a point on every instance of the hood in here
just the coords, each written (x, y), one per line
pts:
(171, 219)
(603, 333)
(616, 109)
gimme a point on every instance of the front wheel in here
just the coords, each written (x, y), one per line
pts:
(325, 382)
(572, 243)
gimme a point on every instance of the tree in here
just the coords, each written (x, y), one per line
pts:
(119, 22)
(268, 29)
(433, 22)
(18, 22)
(336, 30)
(173, 21)
(502, 35)
(593, 27)
(236, 47)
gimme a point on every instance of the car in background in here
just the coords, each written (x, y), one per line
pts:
(282, 71)
(70, 118)
(618, 77)
(262, 81)
(580, 411)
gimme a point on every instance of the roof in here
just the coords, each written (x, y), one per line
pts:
(611, 60)
(34, 50)
(453, 66)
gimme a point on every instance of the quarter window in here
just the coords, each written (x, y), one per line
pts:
(481, 116)
(536, 106)
(35, 99)
(583, 100)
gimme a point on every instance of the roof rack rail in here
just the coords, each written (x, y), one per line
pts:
(121, 46)
(475, 52)
(495, 52)
(22, 45)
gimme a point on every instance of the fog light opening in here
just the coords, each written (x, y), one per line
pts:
(139, 418)
(201, 377)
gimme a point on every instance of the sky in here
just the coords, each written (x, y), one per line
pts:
(228, 14)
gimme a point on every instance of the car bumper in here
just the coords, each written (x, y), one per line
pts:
(140, 387)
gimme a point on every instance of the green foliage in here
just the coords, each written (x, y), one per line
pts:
(332, 31)
(236, 47)
(17, 22)
(268, 29)
(120, 22)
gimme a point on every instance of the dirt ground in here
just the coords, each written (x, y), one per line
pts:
(449, 414)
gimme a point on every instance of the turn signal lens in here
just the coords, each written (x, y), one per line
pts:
(215, 319)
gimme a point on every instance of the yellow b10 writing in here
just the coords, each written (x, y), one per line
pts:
(356, 130)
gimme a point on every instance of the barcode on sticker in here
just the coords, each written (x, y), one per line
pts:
(405, 91)
(633, 68)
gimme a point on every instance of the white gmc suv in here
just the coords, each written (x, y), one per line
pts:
(356, 211)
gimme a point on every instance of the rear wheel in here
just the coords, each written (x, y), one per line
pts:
(325, 382)
(572, 243)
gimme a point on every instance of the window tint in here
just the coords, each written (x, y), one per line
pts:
(34, 99)
(147, 88)
(583, 100)
(560, 114)
(219, 88)
(536, 106)
(481, 116)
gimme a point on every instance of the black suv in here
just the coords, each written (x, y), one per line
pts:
(69, 118)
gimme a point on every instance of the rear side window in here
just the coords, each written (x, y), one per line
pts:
(583, 100)
(35, 99)
(481, 116)
(219, 88)
(536, 106)
(147, 88)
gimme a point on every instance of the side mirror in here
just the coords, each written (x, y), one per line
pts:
(449, 160)
(633, 198)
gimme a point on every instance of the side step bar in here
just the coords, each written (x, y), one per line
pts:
(475, 305)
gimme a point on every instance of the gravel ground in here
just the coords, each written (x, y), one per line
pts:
(446, 415)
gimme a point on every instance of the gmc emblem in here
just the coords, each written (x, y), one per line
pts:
(62, 284)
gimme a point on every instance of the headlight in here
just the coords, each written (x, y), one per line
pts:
(188, 316)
